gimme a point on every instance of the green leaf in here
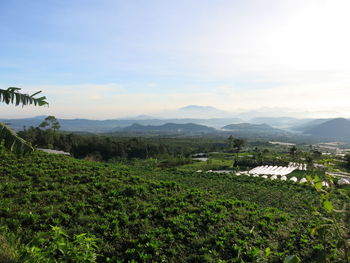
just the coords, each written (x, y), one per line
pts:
(317, 179)
(328, 206)
(292, 259)
(12, 141)
(36, 93)
(13, 96)
(318, 185)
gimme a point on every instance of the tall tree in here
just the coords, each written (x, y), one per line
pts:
(293, 152)
(230, 142)
(50, 123)
(12, 96)
(258, 156)
(237, 145)
(50, 126)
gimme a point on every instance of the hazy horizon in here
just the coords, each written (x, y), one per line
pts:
(202, 113)
(117, 59)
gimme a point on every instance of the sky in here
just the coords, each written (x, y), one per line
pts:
(110, 59)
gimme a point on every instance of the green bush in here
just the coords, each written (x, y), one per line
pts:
(57, 246)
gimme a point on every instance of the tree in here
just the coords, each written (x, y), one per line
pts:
(309, 161)
(50, 123)
(316, 153)
(230, 142)
(258, 156)
(293, 152)
(12, 96)
(237, 147)
(238, 144)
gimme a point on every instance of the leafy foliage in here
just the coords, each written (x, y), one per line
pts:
(50, 122)
(12, 96)
(138, 213)
(109, 148)
(57, 246)
(332, 227)
(12, 141)
(292, 259)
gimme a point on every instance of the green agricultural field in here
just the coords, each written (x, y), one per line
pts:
(211, 164)
(57, 207)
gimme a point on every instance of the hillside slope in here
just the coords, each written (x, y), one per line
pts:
(254, 129)
(248, 126)
(308, 125)
(338, 129)
(139, 218)
(102, 126)
(188, 128)
(279, 122)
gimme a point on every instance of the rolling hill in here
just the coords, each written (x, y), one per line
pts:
(251, 128)
(338, 129)
(103, 126)
(248, 130)
(308, 125)
(279, 122)
(187, 128)
(247, 126)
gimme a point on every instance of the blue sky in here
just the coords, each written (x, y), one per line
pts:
(107, 59)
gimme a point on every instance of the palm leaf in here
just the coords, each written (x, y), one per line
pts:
(12, 96)
(13, 142)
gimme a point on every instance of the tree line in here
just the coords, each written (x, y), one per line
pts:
(105, 148)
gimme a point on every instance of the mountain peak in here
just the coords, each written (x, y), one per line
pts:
(198, 111)
(198, 107)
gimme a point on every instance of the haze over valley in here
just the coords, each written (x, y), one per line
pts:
(199, 120)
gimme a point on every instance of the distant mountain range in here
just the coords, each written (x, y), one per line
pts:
(225, 123)
(169, 128)
(209, 112)
(254, 129)
(189, 129)
(102, 126)
(309, 124)
(195, 111)
(248, 126)
(338, 129)
(280, 122)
